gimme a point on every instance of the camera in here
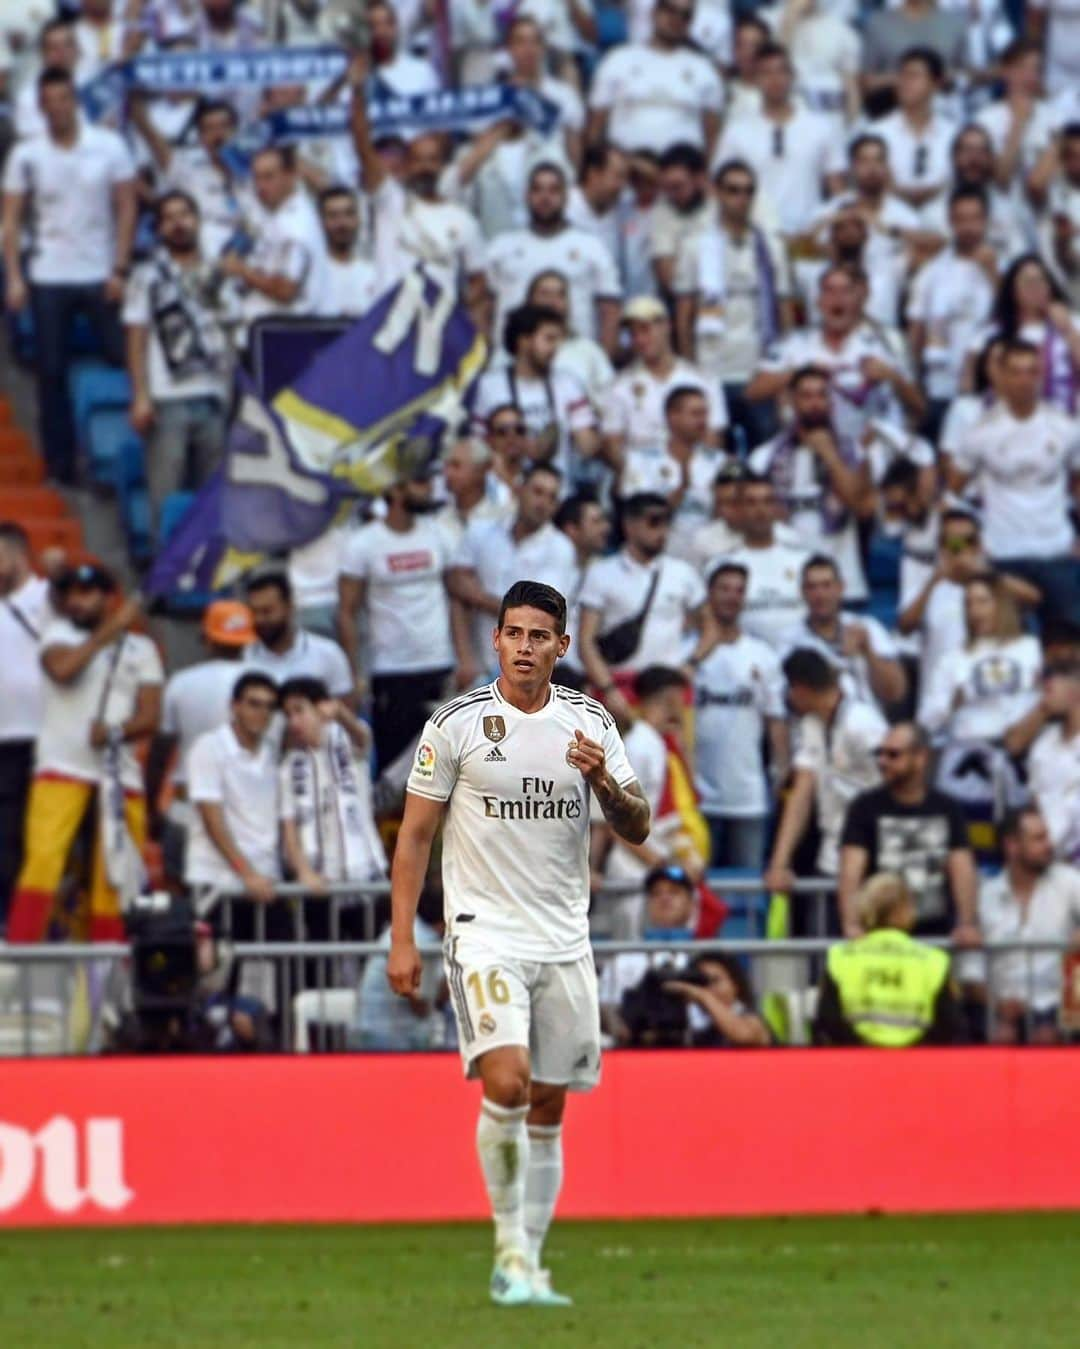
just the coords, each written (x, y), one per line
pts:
(654, 1016)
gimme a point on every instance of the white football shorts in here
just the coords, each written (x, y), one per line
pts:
(552, 1010)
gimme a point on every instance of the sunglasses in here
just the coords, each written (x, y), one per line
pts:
(518, 429)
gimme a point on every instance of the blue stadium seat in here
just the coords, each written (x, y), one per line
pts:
(883, 605)
(129, 479)
(748, 910)
(108, 435)
(883, 562)
(95, 387)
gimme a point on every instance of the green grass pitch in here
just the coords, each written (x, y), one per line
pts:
(969, 1282)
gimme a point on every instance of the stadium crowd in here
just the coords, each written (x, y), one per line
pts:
(783, 305)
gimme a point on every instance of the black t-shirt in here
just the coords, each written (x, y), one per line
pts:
(913, 842)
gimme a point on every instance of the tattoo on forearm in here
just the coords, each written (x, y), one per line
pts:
(625, 809)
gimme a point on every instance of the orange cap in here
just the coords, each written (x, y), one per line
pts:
(228, 623)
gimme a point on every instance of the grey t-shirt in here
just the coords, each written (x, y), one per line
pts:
(889, 35)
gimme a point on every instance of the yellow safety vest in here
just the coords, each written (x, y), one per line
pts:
(888, 985)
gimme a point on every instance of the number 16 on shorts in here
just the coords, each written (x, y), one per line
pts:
(491, 1004)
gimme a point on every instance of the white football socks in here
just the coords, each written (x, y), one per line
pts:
(543, 1181)
(502, 1144)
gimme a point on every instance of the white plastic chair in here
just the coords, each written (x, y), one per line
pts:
(327, 1007)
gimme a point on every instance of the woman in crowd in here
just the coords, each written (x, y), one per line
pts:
(976, 696)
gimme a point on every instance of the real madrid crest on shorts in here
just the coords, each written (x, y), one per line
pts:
(495, 728)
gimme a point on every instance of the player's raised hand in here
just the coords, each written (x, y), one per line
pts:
(403, 968)
(586, 756)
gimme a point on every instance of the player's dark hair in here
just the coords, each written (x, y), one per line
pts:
(525, 320)
(597, 156)
(1070, 131)
(810, 670)
(1013, 820)
(286, 156)
(752, 479)
(546, 275)
(263, 579)
(54, 26)
(546, 166)
(656, 679)
(1017, 49)
(303, 686)
(541, 466)
(679, 395)
(746, 20)
(535, 595)
(816, 560)
(683, 155)
(960, 513)
(1006, 313)
(253, 679)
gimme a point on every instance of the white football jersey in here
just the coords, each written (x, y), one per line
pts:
(516, 831)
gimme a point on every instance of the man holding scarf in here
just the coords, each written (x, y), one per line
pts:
(821, 476)
(178, 353)
(324, 802)
(733, 300)
(102, 693)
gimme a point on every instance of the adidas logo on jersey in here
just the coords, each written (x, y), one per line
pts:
(495, 756)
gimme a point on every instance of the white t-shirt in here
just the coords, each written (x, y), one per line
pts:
(245, 784)
(655, 99)
(856, 400)
(350, 288)
(953, 297)
(736, 687)
(1051, 914)
(408, 608)
(805, 501)
(197, 700)
(654, 469)
(107, 690)
(943, 633)
(917, 159)
(983, 689)
(791, 160)
(192, 170)
(70, 198)
(635, 406)
(841, 757)
(516, 257)
(24, 616)
(311, 799)
(560, 400)
(489, 548)
(1021, 469)
(1054, 779)
(774, 601)
(310, 655)
(854, 671)
(516, 830)
(408, 230)
(729, 277)
(617, 586)
(289, 242)
(138, 312)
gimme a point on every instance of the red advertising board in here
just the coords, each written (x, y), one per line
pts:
(376, 1138)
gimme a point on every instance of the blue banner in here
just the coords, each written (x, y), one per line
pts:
(368, 411)
(215, 74)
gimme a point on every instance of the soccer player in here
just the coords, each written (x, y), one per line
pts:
(512, 766)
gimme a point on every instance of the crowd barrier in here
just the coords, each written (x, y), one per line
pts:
(376, 1138)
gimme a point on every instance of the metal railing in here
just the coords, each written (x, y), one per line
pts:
(45, 990)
